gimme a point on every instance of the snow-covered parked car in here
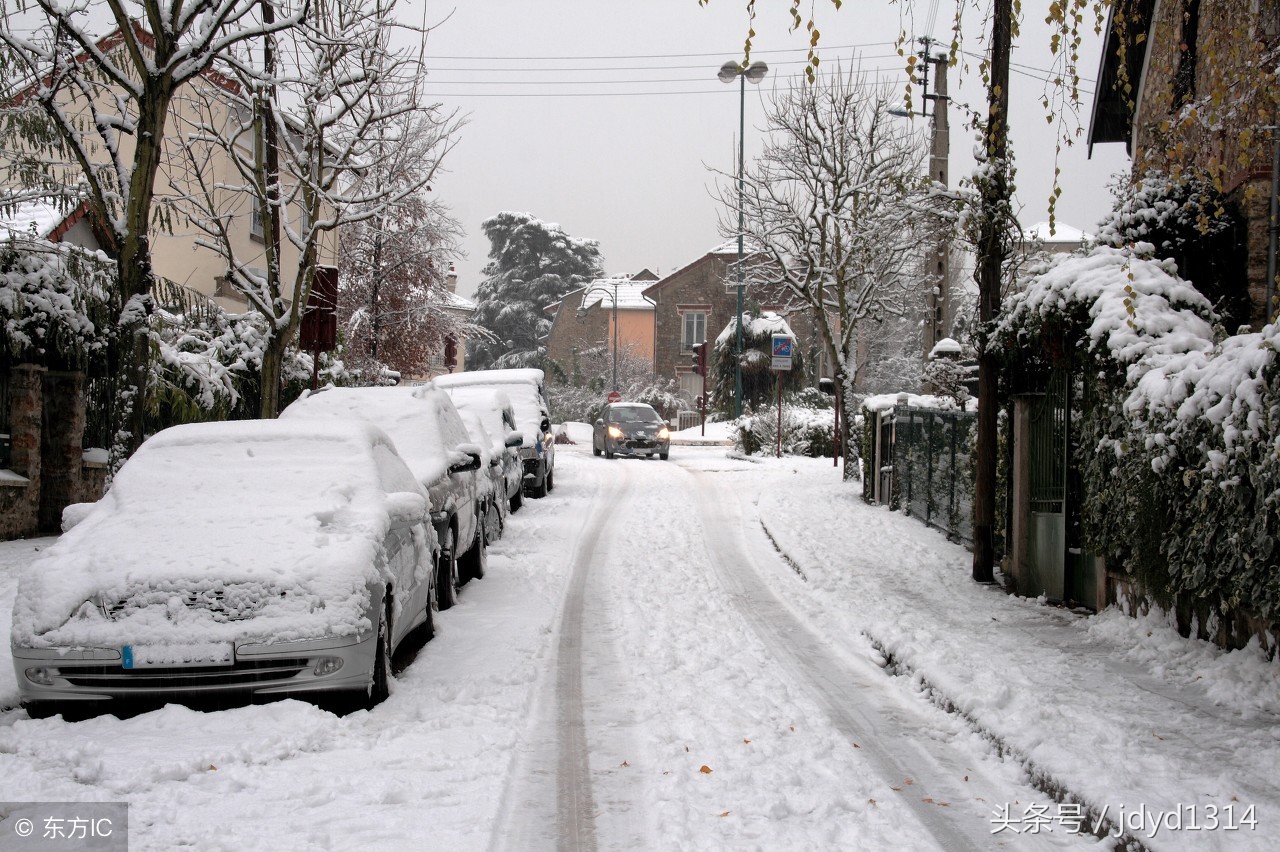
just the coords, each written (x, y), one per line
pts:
(434, 443)
(492, 494)
(492, 408)
(231, 560)
(525, 388)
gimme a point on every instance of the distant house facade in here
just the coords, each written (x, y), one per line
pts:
(584, 320)
(1190, 86)
(451, 357)
(696, 302)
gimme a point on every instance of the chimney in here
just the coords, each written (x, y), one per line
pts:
(451, 280)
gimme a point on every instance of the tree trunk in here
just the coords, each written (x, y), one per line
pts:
(272, 368)
(995, 203)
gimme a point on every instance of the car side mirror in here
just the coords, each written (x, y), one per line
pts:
(599, 422)
(465, 460)
(546, 425)
(406, 509)
(515, 439)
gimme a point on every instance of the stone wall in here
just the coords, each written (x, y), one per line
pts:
(61, 447)
(1178, 124)
(47, 471)
(20, 495)
(570, 332)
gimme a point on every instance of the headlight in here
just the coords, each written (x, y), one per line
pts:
(615, 432)
(42, 675)
(664, 433)
(326, 666)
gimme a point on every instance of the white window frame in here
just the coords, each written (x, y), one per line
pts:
(687, 344)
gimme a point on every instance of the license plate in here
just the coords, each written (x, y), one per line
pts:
(177, 656)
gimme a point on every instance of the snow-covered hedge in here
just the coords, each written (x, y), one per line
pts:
(805, 431)
(1180, 428)
(54, 302)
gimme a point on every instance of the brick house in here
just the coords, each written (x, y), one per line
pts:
(583, 319)
(696, 303)
(1191, 85)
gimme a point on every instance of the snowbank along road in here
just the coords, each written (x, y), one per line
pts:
(632, 673)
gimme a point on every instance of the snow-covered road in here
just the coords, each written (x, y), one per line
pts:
(641, 668)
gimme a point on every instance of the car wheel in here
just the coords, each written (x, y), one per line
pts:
(447, 574)
(428, 626)
(517, 499)
(551, 480)
(477, 557)
(595, 451)
(380, 686)
(541, 489)
(608, 453)
(663, 456)
(42, 709)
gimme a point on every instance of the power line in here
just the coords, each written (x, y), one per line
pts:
(657, 55)
(601, 68)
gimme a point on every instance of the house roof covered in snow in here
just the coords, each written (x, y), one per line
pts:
(1042, 232)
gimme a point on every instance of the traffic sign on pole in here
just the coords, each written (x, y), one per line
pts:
(783, 348)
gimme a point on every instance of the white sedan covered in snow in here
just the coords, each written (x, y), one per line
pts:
(232, 559)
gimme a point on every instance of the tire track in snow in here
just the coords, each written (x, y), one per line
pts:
(558, 738)
(857, 701)
(575, 809)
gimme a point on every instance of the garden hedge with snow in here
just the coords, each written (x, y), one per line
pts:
(1179, 427)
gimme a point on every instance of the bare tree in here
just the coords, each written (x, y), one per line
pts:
(394, 300)
(338, 100)
(831, 218)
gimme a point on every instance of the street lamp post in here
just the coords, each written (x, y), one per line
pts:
(582, 312)
(755, 73)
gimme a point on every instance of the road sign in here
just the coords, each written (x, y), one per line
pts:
(614, 396)
(783, 347)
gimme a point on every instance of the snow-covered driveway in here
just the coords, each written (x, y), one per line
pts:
(639, 669)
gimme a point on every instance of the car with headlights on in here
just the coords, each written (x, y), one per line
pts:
(631, 429)
(433, 441)
(228, 562)
(525, 387)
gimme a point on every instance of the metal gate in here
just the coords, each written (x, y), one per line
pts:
(1049, 439)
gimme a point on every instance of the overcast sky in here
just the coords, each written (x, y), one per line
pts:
(606, 116)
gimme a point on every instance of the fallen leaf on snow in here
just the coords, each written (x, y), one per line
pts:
(624, 763)
(705, 770)
(746, 741)
(725, 814)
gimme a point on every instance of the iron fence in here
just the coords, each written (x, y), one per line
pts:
(933, 468)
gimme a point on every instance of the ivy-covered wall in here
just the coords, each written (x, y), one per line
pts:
(1180, 434)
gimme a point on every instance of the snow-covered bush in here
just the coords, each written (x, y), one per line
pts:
(1179, 446)
(805, 431)
(54, 302)
(758, 376)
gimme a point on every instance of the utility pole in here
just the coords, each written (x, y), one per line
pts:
(939, 301)
(991, 259)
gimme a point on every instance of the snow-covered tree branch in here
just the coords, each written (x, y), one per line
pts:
(342, 107)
